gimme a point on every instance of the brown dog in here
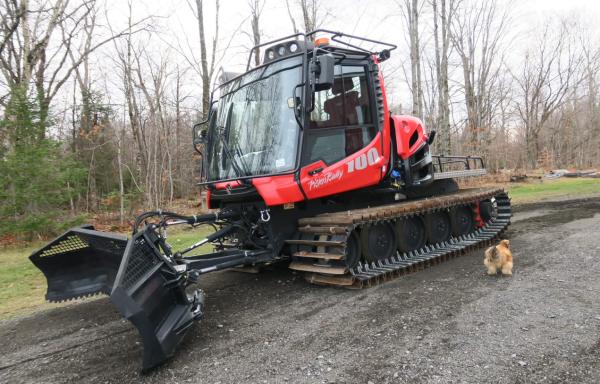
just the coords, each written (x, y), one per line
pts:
(499, 258)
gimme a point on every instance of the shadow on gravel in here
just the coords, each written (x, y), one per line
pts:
(561, 212)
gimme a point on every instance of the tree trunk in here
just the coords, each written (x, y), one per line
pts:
(121, 186)
(412, 10)
(203, 60)
(255, 11)
(443, 142)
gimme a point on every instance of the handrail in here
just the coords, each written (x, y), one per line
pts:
(335, 36)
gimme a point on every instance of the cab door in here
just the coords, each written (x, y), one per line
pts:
(342, 145)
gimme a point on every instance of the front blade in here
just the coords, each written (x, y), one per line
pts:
(81, 262)
(150, 293)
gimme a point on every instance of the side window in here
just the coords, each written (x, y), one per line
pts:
(341, 122)
(346, 103)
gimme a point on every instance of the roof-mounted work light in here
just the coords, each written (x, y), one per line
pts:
(284, 49)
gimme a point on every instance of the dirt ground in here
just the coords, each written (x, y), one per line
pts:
(447, 324)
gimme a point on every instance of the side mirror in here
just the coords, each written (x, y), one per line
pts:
(199, 136)
(322, 72)
(200, 133)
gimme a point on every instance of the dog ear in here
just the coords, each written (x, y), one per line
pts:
(505, 242)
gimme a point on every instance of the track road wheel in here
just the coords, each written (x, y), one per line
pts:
(462, 219)
(410, 234)
(437, 225)
(378, 241)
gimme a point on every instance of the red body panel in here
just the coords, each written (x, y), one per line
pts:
(358, 170)
(386, 149)
(363, 168)
(405, 127)
(277, 190)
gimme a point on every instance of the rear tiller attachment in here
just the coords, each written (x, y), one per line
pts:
(148, 283)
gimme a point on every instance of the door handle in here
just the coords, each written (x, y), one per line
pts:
(315, 171)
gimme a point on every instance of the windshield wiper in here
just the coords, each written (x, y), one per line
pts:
(221, 135)
(238, 152)
(244, 169)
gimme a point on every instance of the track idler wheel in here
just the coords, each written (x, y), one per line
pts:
(410, 234)
(486, 210)
(378, 241)
(353, 251)
(462, 219)
(438, 227)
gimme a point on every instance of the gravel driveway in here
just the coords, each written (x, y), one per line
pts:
(447, 324)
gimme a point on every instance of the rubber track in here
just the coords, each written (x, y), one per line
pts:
(369, 274)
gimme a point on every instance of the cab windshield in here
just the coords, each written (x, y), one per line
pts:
(253, 131)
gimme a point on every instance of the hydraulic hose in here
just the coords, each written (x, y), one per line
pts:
(192, 220)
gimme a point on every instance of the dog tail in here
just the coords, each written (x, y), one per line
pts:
(505, 243)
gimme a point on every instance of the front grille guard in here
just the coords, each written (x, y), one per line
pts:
(418, 169)
(149, 288)
(150, 292)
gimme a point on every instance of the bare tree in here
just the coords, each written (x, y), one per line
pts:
(591, 113)
(313, 14)
(127, 59)
(12, 12)
(43, 53)
(206, 71)
(477, 31)
(549, 73)
(24, 51)
(309, 14)
(289, 11)
(256, 8)
(411, 10)
(442, 14)
(83, 76)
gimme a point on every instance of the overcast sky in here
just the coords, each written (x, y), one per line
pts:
(376, 19)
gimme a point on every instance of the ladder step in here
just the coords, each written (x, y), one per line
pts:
(318, 243)
(316, 278)
(326, 230)
(319, 255)
(324, 269)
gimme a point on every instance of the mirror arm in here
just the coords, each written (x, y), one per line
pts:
(197, 150)
(296, 112)
(313, 67)
(313, 81)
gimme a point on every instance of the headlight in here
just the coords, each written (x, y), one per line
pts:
(293, 47)
(281, 50)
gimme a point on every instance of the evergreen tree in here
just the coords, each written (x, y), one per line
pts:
(38, 179)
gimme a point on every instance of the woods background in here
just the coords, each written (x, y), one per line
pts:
(97, 98)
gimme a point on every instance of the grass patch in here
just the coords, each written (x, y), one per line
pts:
(554, 189)
(23, 286)
(184, 237)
